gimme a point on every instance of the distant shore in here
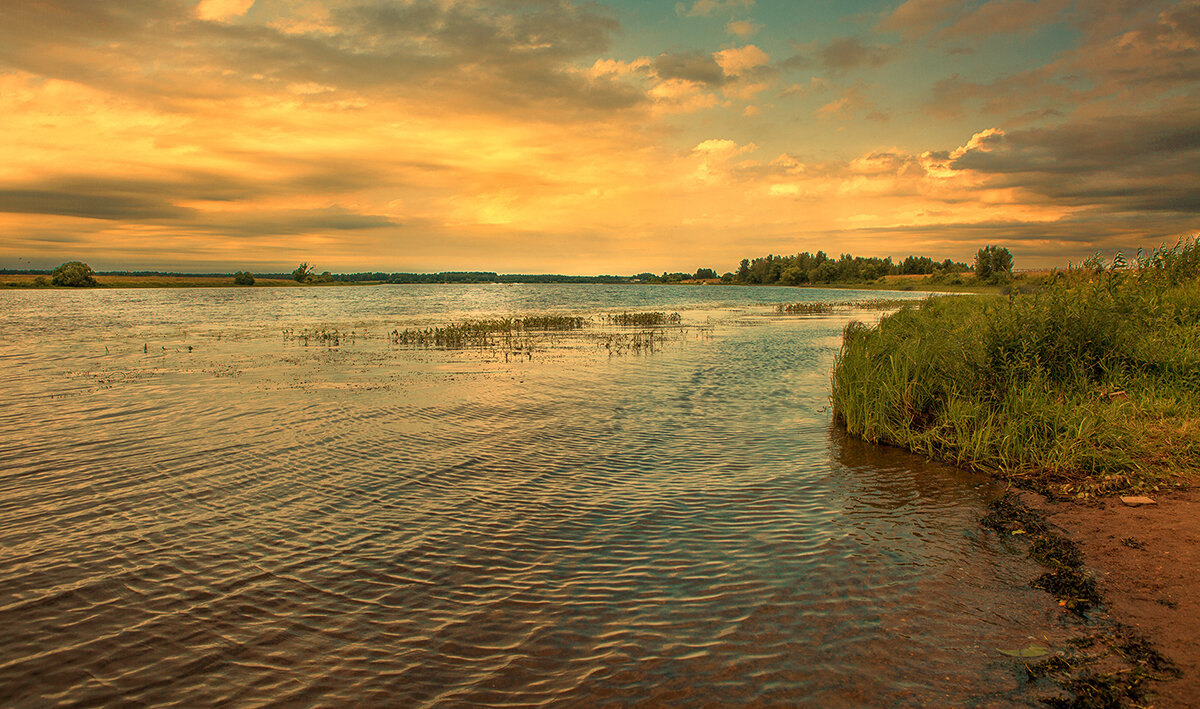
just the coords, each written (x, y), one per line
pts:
(26, 281)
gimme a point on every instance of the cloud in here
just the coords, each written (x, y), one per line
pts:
(853, 102)
(915, 18)
(743, 28)
(522, 56)
(690, 66)
(89, 206)
(740, 60)
(220, 10)
(1005, 17)
(704, 8)
(944, 19)
(848, 53)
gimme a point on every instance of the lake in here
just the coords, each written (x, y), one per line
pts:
(251, 496)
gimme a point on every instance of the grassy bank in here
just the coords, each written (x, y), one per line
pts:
(1090, 385)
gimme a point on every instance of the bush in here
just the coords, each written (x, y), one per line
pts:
(243, 278)
(74, 274)
(303, 272)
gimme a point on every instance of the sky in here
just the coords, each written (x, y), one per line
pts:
(553, 136)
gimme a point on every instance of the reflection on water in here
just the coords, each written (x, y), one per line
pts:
(257, 520)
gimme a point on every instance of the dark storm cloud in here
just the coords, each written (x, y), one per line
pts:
(690, 66)
(1119, 163)
(89, 206)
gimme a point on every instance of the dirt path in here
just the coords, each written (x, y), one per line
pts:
(1147, 561)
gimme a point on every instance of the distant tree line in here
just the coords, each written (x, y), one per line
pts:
(993, 264)
(804, 268)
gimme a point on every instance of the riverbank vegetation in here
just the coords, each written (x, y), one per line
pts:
(913, 273)
(1089, 385)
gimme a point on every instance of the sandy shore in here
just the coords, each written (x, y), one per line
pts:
(1147, 562)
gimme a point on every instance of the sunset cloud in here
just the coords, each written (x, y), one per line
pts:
(552, 135)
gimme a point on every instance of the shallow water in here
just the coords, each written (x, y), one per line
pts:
(195, 509)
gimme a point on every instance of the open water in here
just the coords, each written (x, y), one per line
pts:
(204, 499)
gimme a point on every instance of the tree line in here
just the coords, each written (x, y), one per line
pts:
(993, 264)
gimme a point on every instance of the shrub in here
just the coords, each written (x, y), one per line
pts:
(74, 274)
(243, 278)
(303, 272)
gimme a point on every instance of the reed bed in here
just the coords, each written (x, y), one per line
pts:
(650, 319)
(1091, 385)
(328, 336)
(813, 308)
(821, 307)
(644, 342)
(507, 332)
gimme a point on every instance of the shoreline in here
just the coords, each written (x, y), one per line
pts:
(1146, 561)
(26, 281)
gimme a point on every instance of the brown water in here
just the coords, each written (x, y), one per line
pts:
(197, 510)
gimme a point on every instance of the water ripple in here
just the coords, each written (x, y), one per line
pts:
(254, 523)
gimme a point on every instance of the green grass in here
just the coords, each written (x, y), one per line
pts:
(1089, 385)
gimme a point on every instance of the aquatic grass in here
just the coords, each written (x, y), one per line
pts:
(646, 341)
(647, 319)
(814, 307)
(820, 307)
(328, 336)
(1090, 385)
(509, 332)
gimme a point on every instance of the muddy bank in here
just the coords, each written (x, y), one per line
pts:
(1147, 563)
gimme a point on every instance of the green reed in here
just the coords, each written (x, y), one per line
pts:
(828, 306)
(650, 319)
(813, 308)
(1090, 385)
(509, 332)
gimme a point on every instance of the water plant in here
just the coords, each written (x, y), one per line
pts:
(509, 332)
(829, 306)
(808, 308)
(647, 319)
(1090, 385)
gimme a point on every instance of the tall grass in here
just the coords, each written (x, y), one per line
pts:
(1089, 385)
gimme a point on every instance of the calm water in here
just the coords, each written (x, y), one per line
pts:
(195, 509)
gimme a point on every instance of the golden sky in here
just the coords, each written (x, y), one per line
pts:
(550, 136)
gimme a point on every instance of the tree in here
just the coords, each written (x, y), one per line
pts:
(993, 264)
(705, 273)
(793, 276)
(743, 272)
(303, 272)
(243, 278)
(75, 274)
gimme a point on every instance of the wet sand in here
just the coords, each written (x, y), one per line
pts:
(1147, 561)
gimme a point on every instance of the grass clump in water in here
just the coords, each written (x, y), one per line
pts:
(815, 307)
(651, 319)
(821, 307)
(494, 332)
(1089, 386)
